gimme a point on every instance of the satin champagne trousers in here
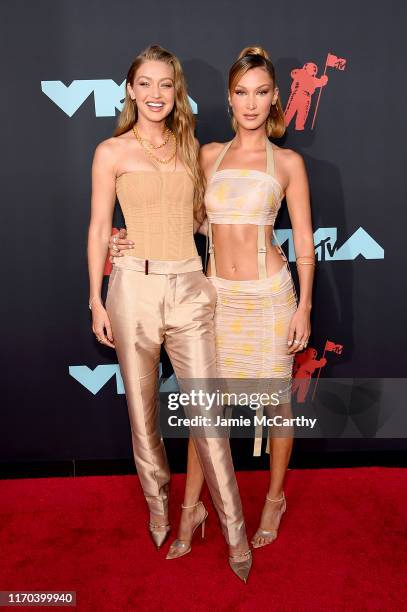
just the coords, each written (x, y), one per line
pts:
(172, 305)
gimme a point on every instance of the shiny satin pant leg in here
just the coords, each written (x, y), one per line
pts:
(176, 309)
(136, 316)
(190, 344)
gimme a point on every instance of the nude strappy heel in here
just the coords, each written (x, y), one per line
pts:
(159, 533)
(179, 548)
(269, 535)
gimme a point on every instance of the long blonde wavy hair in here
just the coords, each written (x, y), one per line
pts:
(181, 120)
(257, 57)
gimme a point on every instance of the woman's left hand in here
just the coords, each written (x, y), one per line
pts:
(118, 242)
(299, 332)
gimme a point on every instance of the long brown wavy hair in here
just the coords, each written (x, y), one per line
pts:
(181, 120)
(257, 57)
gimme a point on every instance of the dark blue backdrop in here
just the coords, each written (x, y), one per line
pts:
(355, 157)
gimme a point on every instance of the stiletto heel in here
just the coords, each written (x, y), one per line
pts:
(179, 548)
(159, 533)
(241, 564)
(269, 535)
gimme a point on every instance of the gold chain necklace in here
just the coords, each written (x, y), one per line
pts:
(167, 133)
(147, 150)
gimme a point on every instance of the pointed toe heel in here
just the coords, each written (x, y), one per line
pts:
(159, 533)
(179, 548)
(241, 564)
(263, 537)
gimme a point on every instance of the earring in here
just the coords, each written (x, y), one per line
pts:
(230, 111)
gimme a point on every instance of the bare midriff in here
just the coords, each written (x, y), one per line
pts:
(236, 252)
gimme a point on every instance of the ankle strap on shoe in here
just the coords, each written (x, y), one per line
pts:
(275, 500)
(157, 525)
(241, 556)
(193, 505)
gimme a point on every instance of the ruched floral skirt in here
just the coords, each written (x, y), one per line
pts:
(252, 319)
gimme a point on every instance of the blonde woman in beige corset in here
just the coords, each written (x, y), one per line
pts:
(157, 292)
(259, 321)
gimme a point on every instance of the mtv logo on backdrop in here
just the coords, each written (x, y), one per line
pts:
(327, 249)
(108, 95)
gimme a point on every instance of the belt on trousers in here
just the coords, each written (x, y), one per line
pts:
(158, 266)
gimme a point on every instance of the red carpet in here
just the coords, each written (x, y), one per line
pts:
(341, 546)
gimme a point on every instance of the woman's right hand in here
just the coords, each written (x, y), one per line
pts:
(101, 324)
(118, 242)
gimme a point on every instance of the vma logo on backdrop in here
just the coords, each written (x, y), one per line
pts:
(94, 380)
(108, 96)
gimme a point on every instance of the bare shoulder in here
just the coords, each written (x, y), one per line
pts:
(105, 158)
(209, 152)
(107, 148)
(107, 153)
(290, 160)
(212, 148)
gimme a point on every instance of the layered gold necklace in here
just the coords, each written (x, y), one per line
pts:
(148, 145)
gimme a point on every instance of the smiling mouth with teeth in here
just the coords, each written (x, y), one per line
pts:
(155, 104)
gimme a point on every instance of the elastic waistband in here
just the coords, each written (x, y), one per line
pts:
(158, 266)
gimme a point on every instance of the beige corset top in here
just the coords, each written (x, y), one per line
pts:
(158, 211)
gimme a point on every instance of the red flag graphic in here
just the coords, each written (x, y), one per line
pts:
(332, 61)
(331, 346)
(335, 62)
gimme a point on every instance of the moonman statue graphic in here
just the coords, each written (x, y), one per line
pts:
(305, 365)
(303, 86)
